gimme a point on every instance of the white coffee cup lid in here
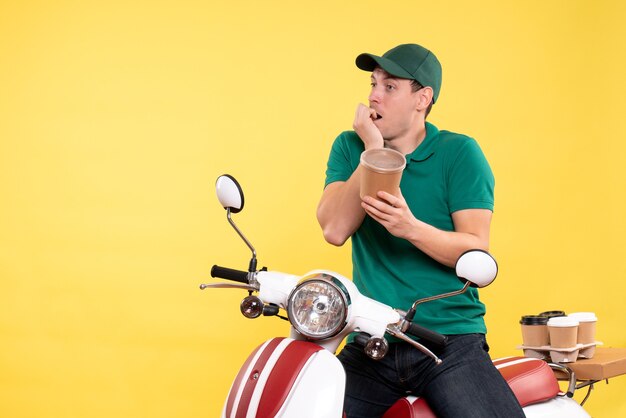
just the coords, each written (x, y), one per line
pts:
(562, 321)
(583, 316)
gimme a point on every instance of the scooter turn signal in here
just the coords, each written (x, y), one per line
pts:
(251, 307)
(376, 348)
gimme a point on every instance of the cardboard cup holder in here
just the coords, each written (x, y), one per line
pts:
(559, 337)
(561, 355)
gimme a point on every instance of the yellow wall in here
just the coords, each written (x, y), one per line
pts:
(116, 117)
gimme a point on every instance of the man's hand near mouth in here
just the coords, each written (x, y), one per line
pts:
(366, 129)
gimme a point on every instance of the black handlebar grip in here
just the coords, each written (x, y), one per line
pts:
(432, 336)
(229, 274)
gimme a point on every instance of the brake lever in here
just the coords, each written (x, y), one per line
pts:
(394, 330)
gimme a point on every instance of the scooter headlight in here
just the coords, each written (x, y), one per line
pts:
(318, 306)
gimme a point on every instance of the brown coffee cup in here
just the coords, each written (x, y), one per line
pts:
(382, 170)
(534, 331)
(586, 326)
(563, 332)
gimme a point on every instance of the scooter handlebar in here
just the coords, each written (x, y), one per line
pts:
(426, 334)
(229, 274)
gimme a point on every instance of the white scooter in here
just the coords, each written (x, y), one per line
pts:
(300, 377)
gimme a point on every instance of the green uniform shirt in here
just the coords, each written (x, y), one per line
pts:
(446, 173)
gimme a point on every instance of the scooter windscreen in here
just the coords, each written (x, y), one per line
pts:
(318, 306)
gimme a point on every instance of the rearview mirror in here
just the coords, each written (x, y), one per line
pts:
(229, 193)
(477, 267)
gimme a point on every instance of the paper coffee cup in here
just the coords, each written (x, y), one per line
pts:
(563, 332)
(534, 331)
(383, 169)
(586, 326)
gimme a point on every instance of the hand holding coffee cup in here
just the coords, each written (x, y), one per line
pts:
(382, 170)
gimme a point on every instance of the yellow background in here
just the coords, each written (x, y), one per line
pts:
(116, 117)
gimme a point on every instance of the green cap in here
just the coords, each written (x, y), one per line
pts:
(410, 61)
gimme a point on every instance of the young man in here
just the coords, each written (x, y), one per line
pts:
(405, 248)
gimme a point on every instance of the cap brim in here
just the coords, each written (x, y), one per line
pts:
(367, 62)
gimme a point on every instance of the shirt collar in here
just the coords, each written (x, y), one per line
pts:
(427, 147)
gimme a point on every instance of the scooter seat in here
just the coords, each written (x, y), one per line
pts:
(531, 380)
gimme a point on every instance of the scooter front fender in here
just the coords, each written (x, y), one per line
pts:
(287, 378)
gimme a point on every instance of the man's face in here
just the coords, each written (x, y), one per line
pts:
(395, 103)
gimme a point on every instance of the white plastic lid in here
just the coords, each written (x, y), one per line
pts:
(383, 160)
(583, 316)
(562, 321)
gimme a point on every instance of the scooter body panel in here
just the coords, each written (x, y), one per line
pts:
(560, 407)
(287, 378)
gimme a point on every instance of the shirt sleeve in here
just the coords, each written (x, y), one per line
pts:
(471, 182)
(343, 159)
